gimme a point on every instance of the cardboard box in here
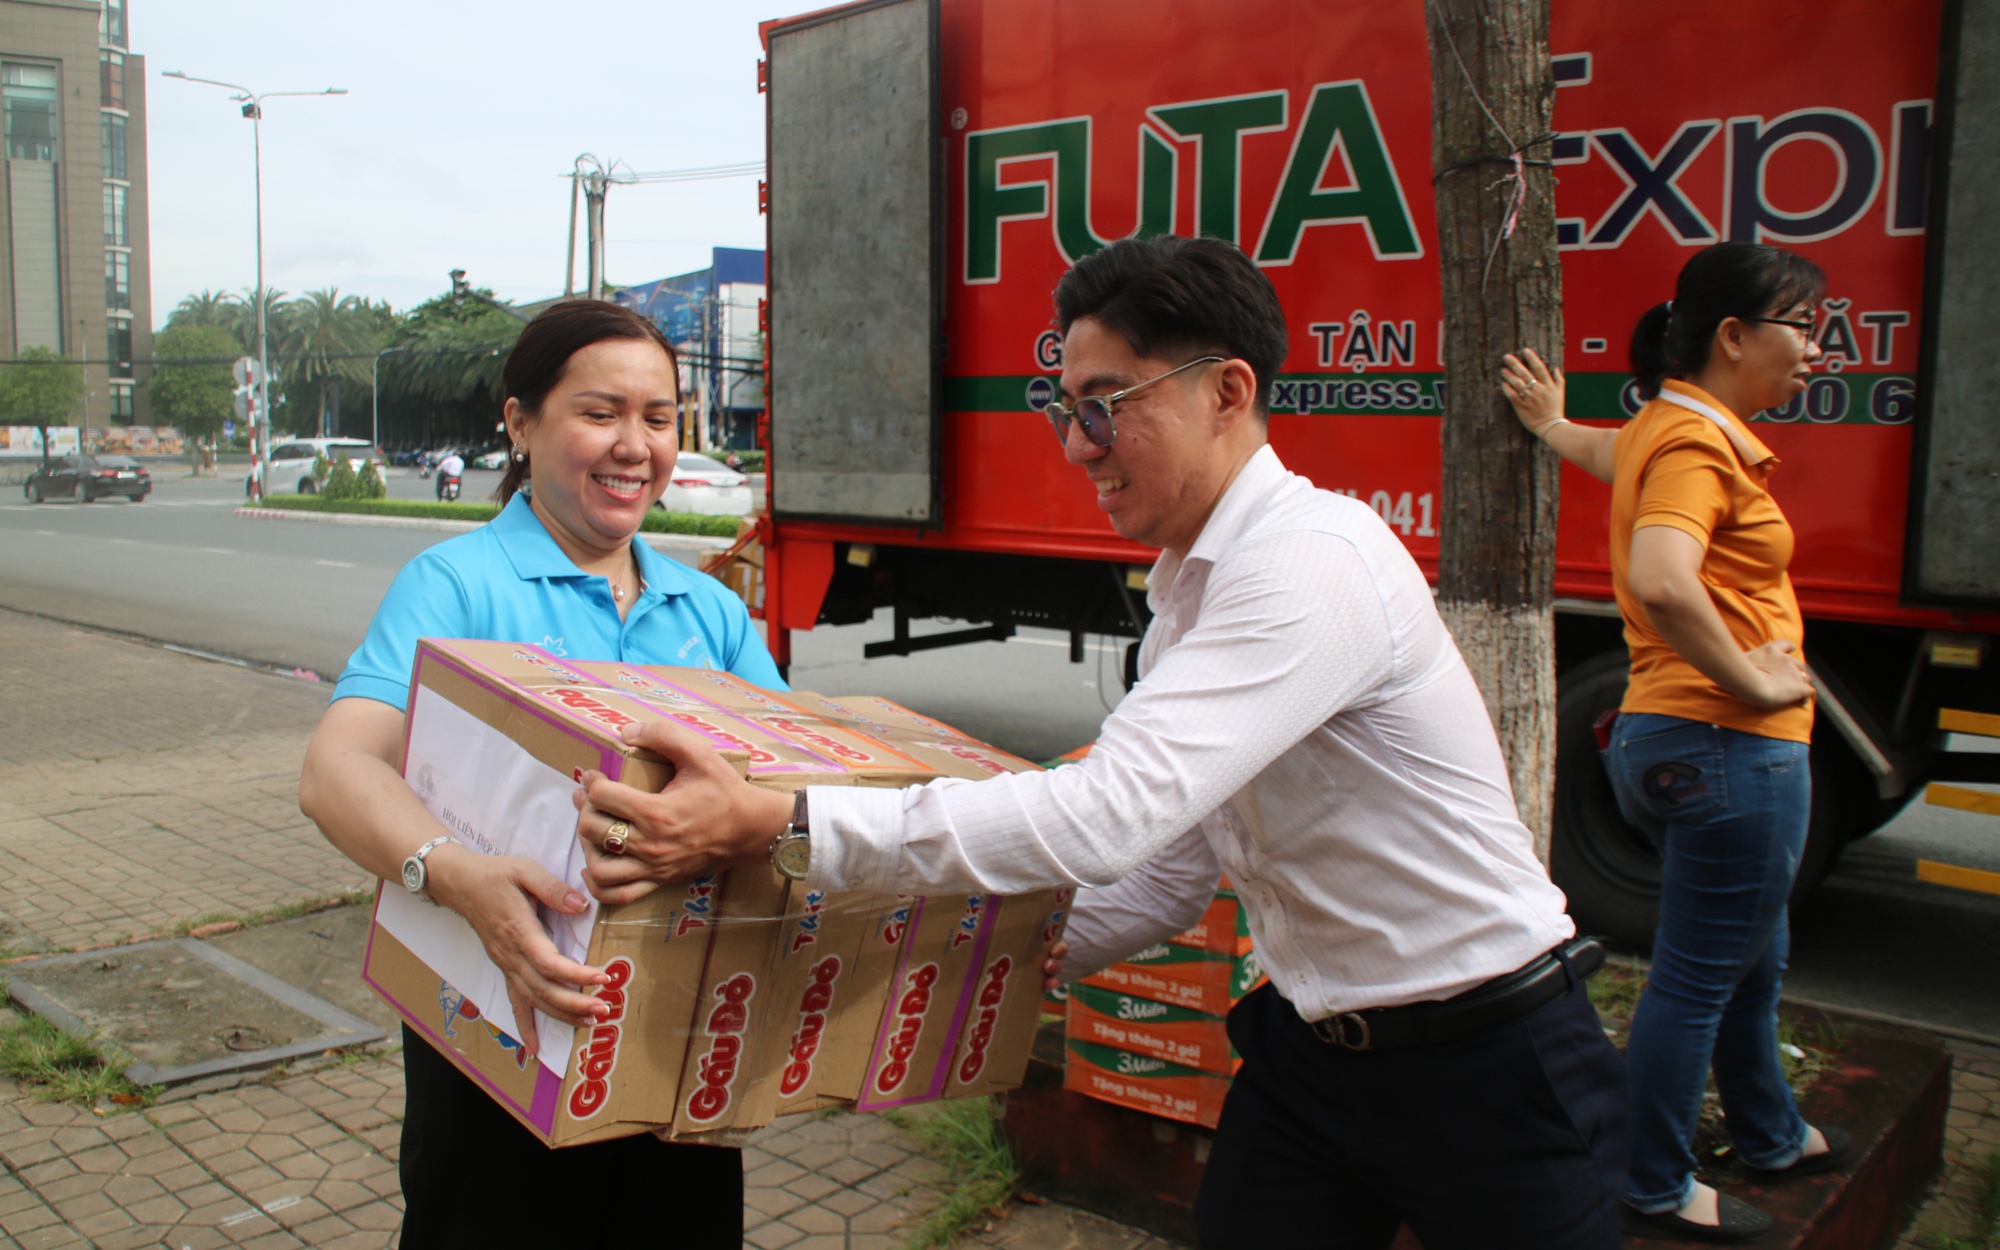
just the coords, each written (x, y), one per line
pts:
(1192, 1039)
(1183, 976)
(1224, 928)
(1145, 1083)
(735, 997)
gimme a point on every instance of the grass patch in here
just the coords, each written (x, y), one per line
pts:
(62, 1068)
(965, 1137)
(1986, 1211)
(283, 911)
(1614, 991)
(657, 521)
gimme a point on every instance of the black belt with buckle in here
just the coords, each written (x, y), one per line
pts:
(1503, 1000)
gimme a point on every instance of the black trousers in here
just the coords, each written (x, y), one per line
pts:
(473, 1177)
(1513, 1138)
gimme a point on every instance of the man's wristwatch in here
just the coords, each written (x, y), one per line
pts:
(792, 852)
(415, 875)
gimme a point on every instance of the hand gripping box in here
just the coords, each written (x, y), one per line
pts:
(735, 997)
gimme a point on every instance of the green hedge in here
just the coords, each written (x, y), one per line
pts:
(656, 522)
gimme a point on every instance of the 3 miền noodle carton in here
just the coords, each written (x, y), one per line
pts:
(1145, 1083)
(1192, 1039)
(1224, 929)
(767, 996)
(1183, 976)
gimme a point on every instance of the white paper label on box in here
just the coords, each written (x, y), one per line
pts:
(495, 799)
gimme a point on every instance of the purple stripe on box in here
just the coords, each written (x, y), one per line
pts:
(966, 993)
(866, 1102)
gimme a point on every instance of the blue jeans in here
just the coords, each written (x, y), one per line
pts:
(1728, 811)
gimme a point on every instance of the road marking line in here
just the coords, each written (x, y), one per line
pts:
(336, 564)
(241, 1216)
(281, 1203)
(1958, 877)
(220, 551)
(47, 533)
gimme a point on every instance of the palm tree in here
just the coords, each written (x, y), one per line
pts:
(208, 308)
(325, 340)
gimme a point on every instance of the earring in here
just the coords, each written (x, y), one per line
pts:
(520, 455)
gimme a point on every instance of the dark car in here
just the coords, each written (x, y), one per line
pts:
(85, 478)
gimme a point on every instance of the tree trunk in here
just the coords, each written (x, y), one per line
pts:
(1491, 98)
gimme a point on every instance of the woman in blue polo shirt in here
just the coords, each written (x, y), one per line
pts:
(592, 404)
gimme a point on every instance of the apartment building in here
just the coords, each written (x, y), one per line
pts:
(73, 199)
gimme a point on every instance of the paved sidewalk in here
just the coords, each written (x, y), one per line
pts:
(140, 788)
(1971, 1136)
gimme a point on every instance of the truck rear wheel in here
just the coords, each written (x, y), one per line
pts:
(1609, 870)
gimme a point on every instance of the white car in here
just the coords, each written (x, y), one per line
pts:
(707, 486)
(291, 467)
(491, 460)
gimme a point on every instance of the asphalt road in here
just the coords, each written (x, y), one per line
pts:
(182, 569)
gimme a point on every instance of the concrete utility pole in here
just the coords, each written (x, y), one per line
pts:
(593, 177)
(1491, 98)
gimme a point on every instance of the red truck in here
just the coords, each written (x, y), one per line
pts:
(936, 165)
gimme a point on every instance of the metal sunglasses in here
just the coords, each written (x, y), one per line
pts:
(1093, 412)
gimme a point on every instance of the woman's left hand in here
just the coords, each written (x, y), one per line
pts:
(1533, 388)
(708, 818)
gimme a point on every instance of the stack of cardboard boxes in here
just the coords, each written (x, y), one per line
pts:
(1149, 1033)
(734, 998)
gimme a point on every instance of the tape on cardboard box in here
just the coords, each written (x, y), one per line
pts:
(1193, 1039)
(1144, 1083)
(818, 985)
(722, 1081)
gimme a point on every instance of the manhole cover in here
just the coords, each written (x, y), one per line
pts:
(162, 1001)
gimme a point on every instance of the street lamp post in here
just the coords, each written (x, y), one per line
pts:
(375, 397)
(253, 108)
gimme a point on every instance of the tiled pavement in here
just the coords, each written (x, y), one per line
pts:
(1971, 1136)
(139, 788)
(144, 811)
(308, 1161)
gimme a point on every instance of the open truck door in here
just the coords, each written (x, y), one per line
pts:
(856, 274)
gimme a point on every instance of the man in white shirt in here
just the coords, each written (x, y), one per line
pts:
(1425, 1051)
(452, 466)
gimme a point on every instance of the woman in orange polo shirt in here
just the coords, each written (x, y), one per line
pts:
(1708, 754)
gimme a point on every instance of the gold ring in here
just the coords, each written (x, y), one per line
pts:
(614, 837)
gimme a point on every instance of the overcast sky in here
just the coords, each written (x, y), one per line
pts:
(447, 150)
